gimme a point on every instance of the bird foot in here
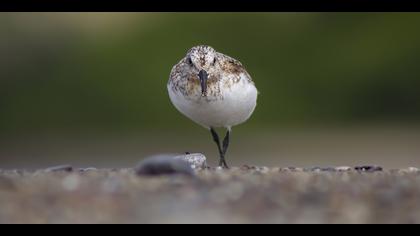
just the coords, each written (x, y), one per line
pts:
(223, 164)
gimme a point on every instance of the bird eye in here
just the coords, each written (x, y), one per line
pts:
(189, 61)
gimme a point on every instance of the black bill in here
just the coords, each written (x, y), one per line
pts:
(203, 82)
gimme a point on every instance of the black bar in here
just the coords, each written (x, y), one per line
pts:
(211, 5)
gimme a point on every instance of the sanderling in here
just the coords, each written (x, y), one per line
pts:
(213, 90)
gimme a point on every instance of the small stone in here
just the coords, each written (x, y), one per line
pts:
(219, 168)
(320, 169)
(368, 168)
(413, 169)
(410, 170)
(61, 168)
(316, 169)
(343, 168)
(88, 169)
(328, 169)
(295, 169)
(263, 169)
(282, 169)
(313, 169)
(245, 167)
(164, 165)
(196, 160)
(291, 169)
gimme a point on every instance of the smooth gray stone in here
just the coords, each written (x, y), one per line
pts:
(63, 168)
(343, 168)
(368, 168)
(88, 169)
(164, 165)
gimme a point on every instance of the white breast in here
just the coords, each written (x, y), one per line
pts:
(237, 105)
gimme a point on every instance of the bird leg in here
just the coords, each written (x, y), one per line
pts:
(226, 141)
(222, 152)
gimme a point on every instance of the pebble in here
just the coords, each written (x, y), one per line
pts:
(410, 170)
(263, 169)
(320, 169)
(88, 169)
(291, 169)
(61, 168)
(313, 169)
(246, 167)
(297, 169)
(164, 165)
(196, 160)
(343, 168)
(368, 168)
(329, 169)
(413, 169)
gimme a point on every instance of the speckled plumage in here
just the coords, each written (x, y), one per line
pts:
(231, 94)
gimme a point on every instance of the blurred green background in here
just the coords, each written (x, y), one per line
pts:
(68, 80)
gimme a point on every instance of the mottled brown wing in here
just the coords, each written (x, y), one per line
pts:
(233, 66)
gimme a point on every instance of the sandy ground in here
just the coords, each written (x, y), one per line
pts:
(240, 195)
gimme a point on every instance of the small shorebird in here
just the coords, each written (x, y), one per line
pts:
(213, 90)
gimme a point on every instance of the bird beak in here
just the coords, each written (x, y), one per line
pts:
(203, 82)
